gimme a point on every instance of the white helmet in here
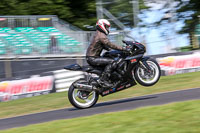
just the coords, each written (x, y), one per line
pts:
(103, 25)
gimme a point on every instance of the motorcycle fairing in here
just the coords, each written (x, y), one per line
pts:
(120, 87)
(137, 57)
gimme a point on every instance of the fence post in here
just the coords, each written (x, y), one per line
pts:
(79, 61)
(8, 69)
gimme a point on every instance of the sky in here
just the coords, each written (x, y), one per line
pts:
(156, 42)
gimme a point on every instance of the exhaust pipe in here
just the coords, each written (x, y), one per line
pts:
(83, 86)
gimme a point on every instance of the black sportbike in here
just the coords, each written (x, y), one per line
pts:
(133, 66)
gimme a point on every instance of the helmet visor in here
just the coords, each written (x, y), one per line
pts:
(107, 27)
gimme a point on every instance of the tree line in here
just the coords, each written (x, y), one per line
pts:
(83, 12)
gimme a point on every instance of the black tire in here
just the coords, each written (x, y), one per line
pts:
(76, 103)
(138, 78)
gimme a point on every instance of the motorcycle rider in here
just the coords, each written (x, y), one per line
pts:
(98, 43)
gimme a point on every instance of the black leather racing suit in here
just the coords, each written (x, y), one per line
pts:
(98, 43)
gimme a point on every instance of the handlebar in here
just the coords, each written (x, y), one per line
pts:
(123, 41)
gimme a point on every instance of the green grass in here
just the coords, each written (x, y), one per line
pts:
(60, 100)
(180, 117)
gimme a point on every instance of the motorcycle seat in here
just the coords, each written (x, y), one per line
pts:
(91, 69)
(73, 67)
(87, 68)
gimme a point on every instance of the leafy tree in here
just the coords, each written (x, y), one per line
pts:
(49, 7)
(13, 7)
(77, 12)
(123, 10)
(187, 11)
(84, 13)
(73, 11)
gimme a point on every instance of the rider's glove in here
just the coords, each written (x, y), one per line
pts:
(127, 50)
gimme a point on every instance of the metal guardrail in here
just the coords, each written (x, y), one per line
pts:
(27, 21)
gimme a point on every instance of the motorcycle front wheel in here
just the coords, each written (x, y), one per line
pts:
(146, 78)
(82, 99)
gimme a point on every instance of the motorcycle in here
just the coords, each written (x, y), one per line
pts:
(132, 67)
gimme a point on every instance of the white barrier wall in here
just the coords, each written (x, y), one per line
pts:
(33, 86)
(64, 78)
(180, 64)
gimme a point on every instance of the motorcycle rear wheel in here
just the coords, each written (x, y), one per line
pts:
(146, 79)
(82, 99)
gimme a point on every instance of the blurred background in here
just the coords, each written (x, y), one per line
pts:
(40, 37)
(163, 26)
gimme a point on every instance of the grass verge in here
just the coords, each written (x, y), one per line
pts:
(180, 117)
(60, 100)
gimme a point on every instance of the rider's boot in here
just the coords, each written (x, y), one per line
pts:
(104, 81)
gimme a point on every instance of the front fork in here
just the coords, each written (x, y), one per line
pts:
(145, 66)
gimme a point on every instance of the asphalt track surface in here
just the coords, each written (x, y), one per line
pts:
(111, 106)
